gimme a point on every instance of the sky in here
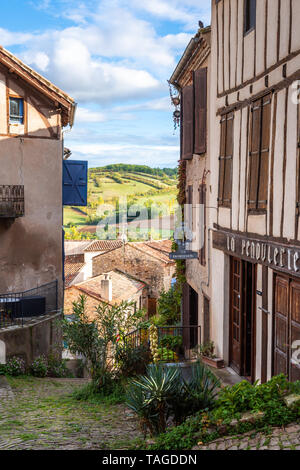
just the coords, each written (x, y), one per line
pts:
(114, 58)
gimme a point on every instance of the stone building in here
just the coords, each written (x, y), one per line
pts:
(147, 261)
(191, 78)
(33, 113)
(113, 288)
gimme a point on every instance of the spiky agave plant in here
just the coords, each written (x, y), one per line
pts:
(149, 397)
(198, 393)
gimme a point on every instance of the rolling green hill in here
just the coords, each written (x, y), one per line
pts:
(141, 185)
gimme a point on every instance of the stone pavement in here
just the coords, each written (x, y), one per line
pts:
(5, 390)
(279, 439)
(40, 414)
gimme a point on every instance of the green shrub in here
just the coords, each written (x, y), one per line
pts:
(57, 367)
(174, 343)
(39, 367)
(198, 393)
(163, 393)
(232, 402)
(148, 396)
(132, 360)
(169, 307)
(112, 394)
(15, 366)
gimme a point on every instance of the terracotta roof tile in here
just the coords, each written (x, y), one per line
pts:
(123, 286)
(103, 245)
(71, 271)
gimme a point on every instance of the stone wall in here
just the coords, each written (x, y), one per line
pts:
(32, 340)
(72, 294)
(155, 273)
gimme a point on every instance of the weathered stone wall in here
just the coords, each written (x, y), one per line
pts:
(72, 294)
(32, 340)
(158, 275)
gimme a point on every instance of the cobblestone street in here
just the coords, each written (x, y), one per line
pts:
(41, 414)
(278, 439)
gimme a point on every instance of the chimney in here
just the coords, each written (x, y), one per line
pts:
(106, 288)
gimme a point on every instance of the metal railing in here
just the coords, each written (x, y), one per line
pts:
(175, 343)
(12, 202)
(15, 307)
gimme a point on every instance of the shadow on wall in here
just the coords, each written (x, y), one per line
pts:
(31, 246)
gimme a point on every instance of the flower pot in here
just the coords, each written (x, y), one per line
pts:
(217, 363)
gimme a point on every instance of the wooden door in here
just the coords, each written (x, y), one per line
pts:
(294, 362)
(236, 316)
(281, 336)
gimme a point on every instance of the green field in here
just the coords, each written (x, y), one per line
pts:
(141, 185)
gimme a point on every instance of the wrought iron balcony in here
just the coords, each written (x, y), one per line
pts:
(11, 201)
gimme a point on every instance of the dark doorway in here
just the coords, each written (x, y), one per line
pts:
(190, 317)
(242, 321)
(206, 320)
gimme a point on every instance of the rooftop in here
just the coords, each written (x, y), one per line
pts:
(124, 286)
(41, 84)
(71, 271)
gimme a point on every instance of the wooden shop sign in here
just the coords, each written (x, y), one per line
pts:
(271, 253)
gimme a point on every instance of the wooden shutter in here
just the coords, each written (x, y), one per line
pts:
(202, 200)
(225, 158)
(75, 180)
(190, 207)
(254, 154)
(187, 122)
(236, 315)
(259, 154)
(264, 154)
(294, 330)
(222, 159)
(200, 86)
(227, 194)
(298, 166)
(281, 335)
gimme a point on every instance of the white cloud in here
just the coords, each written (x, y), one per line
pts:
(103, 154)
(86, 115)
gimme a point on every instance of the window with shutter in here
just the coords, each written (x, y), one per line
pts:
(187, 122)
(225, 159)
(202, 201)
(200, 86)
(259, 154)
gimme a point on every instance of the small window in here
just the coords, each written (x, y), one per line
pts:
(16, 110)
(250, 15)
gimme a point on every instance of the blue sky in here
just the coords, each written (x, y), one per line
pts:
(114, 58)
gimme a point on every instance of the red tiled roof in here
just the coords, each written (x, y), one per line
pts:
(71, 271)
(157, 249)
(103, 245)
(124, 286)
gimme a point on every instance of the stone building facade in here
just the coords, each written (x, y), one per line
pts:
(191, 78)
(33, 113)
(147, 261)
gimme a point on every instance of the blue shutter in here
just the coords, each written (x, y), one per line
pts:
(75, 178)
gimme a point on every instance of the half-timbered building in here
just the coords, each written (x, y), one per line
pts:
(255, 172)
(252, 167)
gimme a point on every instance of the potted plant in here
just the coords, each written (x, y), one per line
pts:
(207, 353)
